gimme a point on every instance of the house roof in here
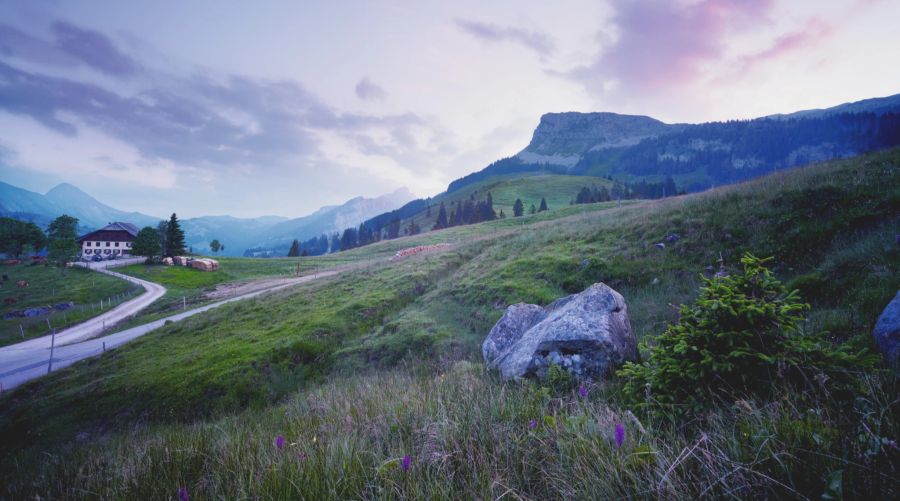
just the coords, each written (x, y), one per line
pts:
(115, 232)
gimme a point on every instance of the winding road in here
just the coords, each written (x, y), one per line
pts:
(30, 359)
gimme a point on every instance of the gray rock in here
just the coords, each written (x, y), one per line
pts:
(887, 332)
(673, 237)
(588, 334)
(64, 306)
(660, 245)
(509, 329)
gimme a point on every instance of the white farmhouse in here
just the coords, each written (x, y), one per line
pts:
(110, 242)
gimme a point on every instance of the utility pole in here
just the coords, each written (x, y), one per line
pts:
(52, 346)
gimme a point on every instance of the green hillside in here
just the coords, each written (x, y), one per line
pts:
(559, 191)
(48, 286)
(359, 370)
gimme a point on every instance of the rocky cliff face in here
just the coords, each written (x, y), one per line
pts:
(561, 138)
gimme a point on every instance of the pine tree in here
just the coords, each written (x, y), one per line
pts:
(502, 215)
(532, 210)
(295, 249)
(348, 239)
(543, 205)
(393, 230)
(442, 218)
(335, 242)
(518, 208)
(174, 237)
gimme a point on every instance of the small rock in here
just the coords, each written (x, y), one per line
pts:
(673, 237)
(655, 281)
(660, 245)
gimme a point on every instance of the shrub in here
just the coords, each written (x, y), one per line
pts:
(741, 335)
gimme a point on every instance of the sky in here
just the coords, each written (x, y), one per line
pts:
(280, 107)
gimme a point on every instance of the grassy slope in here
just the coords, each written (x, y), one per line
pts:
(559, 191)
(49, 286)
(187, 285)
(831, 228)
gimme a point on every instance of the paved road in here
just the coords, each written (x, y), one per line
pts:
(20, 364)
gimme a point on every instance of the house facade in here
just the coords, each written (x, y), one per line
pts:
(110, 242)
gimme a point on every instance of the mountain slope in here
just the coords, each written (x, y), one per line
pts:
(26, 205)
(237, 234)
(331, 219)
(91, 212)
(697, 156)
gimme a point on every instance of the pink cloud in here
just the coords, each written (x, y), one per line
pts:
(812, 33)
(667, 43)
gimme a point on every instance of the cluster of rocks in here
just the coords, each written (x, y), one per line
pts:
(588, 334)
(38, 311)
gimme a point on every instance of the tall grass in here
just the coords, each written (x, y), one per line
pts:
(470, 436)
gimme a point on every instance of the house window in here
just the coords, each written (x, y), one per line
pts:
(87, 244)
(107, 244)
(117, 244)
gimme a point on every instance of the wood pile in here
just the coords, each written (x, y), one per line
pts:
(204, 264)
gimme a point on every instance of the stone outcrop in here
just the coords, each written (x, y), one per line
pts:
(887, 332)
(588, 334)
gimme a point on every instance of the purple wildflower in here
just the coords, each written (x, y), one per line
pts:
(620, 435)
(406, 462)
(532, 424)
(182, 494)
(279, 441)
(582, 391)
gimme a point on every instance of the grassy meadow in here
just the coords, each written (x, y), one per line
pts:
(358, 371)
(48, 286)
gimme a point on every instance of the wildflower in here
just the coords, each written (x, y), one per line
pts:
(279, 441)
(620, 435)
(183, 494)
(582, 391)
(405, 462)
(532, 424)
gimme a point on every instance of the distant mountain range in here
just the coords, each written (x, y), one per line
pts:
(237, 234)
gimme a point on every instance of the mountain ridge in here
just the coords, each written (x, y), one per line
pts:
(238, 234)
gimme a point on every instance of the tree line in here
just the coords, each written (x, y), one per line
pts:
(620, 191)
(166, 240)
(21, 237)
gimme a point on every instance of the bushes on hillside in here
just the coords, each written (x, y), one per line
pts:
(743, 336)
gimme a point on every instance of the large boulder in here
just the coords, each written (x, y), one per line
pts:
(887, 332)
(587, 334)
(509, 329)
